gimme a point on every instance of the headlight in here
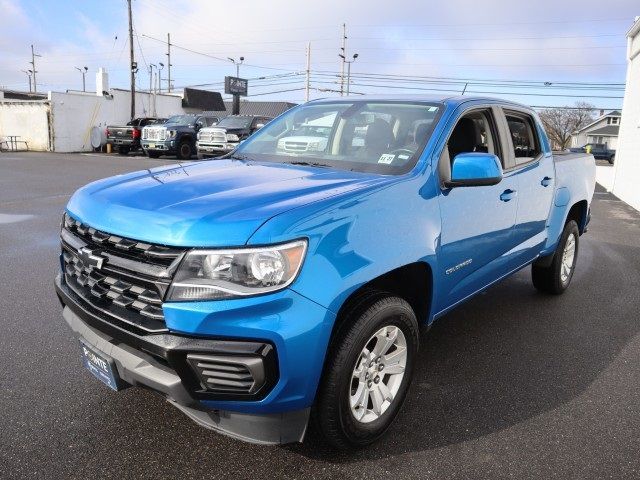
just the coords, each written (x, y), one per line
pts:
(223, 274)
(171, 134)
(232, 137)
(198, 136)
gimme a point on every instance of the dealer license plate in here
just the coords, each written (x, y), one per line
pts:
(100, 365)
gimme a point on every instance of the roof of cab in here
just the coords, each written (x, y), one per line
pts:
(449, 100)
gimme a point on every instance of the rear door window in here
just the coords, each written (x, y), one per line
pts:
(524, 139)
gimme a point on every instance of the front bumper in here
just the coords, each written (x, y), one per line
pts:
(166, 146)
(215, 148)
(157, 361)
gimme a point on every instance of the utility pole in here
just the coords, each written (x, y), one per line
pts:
(133, 64)
(168, 62)
(34, 71)
(344, 57)
(307, 83)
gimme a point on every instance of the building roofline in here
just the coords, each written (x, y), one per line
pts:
(635, 28)
(610, 114)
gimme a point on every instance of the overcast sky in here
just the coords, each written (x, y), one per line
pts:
(541, 41)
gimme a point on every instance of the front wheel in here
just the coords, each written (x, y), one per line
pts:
(368, 371)
(184, 150)
(611, 159)
(556, 277)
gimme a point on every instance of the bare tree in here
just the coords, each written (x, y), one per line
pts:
(560, 123)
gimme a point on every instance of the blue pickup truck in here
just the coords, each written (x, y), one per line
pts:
(270, 289)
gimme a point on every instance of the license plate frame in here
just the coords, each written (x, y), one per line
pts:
(100, 365)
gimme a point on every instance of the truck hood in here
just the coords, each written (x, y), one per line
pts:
(213, 204)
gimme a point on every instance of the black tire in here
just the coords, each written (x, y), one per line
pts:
(332, 414)
(549, 278)
(185, 150)
(153, 154)
(123, 150)
(611, 159)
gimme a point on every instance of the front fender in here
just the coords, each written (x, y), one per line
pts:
(360, 238)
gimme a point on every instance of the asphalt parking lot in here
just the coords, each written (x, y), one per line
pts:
(514, 384)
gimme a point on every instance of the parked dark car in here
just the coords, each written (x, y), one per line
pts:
(228, 134)
(598, 150)
(126, 138)
(177, 136)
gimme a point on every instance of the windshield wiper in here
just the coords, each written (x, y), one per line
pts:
(237, 157)
(310, 164)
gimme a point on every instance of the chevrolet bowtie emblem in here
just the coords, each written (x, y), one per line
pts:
(90, 259)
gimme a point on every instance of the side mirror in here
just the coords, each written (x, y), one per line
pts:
(475, 170)
(199, 125)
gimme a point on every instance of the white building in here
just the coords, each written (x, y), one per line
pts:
(627, 165)
(64, 121)
(604, 130)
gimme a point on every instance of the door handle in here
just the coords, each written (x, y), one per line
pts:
(546, 181)
(507, 195)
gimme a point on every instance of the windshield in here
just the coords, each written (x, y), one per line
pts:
(381, 137)
(181, 119)
(235, 122)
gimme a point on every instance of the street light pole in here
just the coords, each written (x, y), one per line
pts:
(83, 71)
(28, 72)
(151, 65)
(160, 77)
(348, 62)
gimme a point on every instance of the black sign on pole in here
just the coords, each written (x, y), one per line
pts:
(237, 87)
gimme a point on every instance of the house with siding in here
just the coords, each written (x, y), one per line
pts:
(604, 129)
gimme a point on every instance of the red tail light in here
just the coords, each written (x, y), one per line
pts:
(136, 133)
(107, 132)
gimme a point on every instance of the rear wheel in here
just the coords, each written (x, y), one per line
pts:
(184, 150)
(556, 277)
(153, 154)
(611, 159)
(368, 371)
(123, 150)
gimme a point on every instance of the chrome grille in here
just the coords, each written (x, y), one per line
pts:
(214, 136)
(149, 133)
(126, 279)
(296, 146)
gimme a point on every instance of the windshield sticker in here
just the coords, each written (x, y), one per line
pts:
(403, 157)
(432, 109)
(386, 158)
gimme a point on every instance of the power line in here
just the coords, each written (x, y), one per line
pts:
(211, 56)
(277, 91)
(444, 81)
(431, 89)
(469, 79)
